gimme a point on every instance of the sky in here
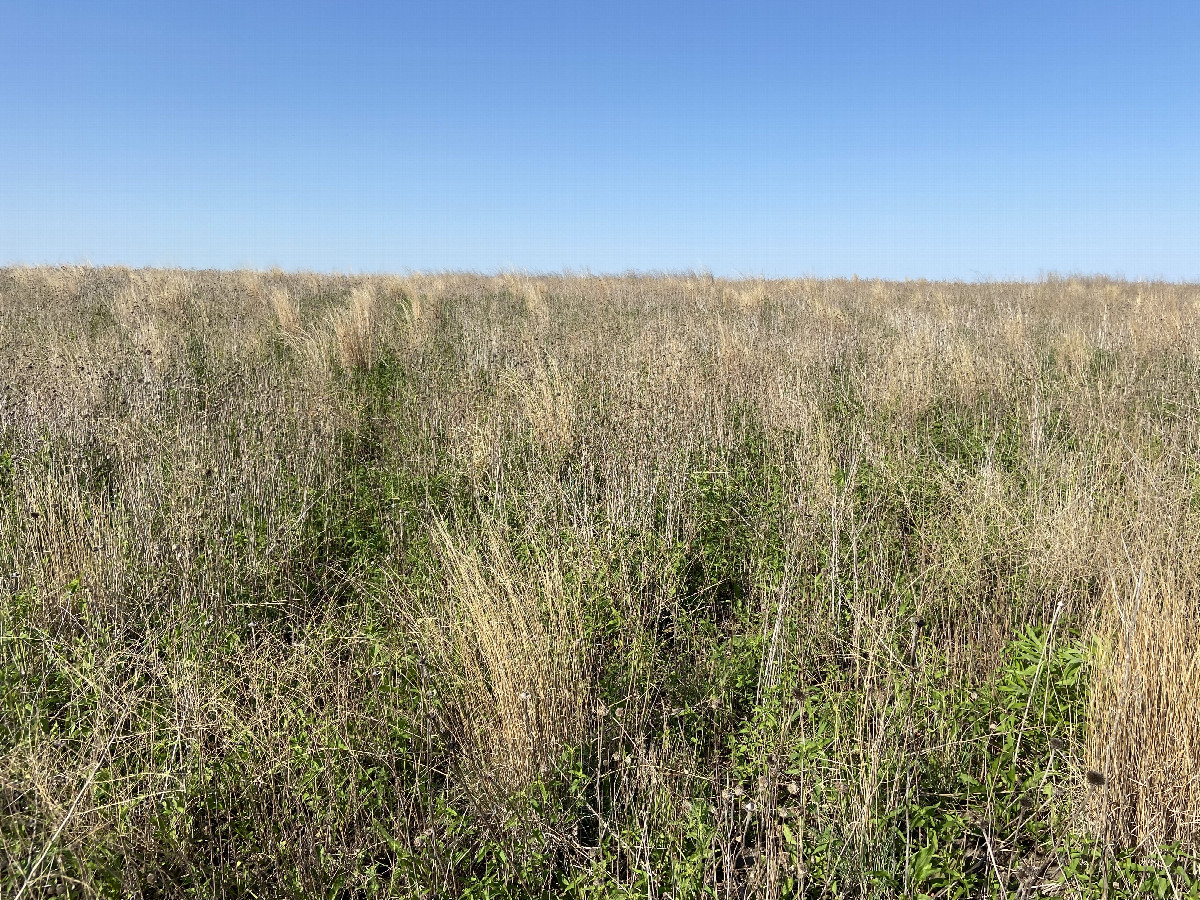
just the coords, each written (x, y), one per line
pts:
(972, 140)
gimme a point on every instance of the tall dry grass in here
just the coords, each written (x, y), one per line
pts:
(705, 585)
(509, 648)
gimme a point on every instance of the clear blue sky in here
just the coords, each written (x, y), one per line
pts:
(967, 139)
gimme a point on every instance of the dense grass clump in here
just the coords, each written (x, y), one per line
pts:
(677, 587)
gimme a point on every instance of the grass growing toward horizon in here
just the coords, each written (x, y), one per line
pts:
(597, 587)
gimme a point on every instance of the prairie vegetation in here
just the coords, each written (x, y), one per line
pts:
(590, 587)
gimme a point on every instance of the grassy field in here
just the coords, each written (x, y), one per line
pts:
(597, 587)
